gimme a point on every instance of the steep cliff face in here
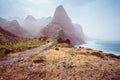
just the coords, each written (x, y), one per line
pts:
(79, 31)
(5, 35)
(61, 27)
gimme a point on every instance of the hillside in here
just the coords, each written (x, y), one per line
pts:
(5, 35)
(14, 28)
(61, 63)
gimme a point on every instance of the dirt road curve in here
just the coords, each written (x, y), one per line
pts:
(8, 61)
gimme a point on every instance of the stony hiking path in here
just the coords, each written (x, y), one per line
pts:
(8, 61)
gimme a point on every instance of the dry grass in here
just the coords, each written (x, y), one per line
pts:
(64, 64)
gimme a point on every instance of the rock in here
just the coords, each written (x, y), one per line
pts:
(60, 40)
(100, 51)
(57, 49)
(43, 38)
(30, 47)
(38, 61)
(20, 59)
(30, 66)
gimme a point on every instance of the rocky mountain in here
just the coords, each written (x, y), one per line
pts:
(61, 27)
(13, 27)
(34, 25)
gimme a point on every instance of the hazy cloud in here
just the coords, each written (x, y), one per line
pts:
(99, 18)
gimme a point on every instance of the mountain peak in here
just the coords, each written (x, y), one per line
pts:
(30, 17)
(60, 6)
(14, 22)
(60, 9)
(60, 15)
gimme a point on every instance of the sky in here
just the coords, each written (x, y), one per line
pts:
(100, 19)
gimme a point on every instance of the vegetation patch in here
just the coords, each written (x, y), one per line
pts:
(2, 52)
(9, 47)
(113, 56)
(57, 44)
(98, 54)
(68, 65)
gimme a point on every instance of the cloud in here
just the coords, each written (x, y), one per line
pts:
(38, 8)
(76, 2)
(99, 18)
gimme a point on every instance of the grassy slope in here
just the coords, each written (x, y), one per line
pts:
(7, 46)
(65, 64)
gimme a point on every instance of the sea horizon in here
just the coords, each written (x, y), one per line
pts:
(109, 47)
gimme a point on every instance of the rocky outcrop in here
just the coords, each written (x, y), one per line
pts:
(61, 27)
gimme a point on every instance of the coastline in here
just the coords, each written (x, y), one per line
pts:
(109, 47)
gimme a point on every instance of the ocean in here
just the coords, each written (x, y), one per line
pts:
(105, 46)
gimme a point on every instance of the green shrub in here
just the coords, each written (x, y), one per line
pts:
(2, 52)
(55, 43)
(68, 65)
(20, 45)
(3, 40)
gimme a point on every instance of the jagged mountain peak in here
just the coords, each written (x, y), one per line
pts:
(60, 7)
(30, 17)
(14, 22)
(60, 13)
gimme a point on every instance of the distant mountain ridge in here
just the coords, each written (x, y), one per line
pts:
(13, 27)
(34, 25)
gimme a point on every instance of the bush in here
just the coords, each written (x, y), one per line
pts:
(55, 43)
(98, 54)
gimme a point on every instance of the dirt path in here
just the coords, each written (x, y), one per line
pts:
(8, 61)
